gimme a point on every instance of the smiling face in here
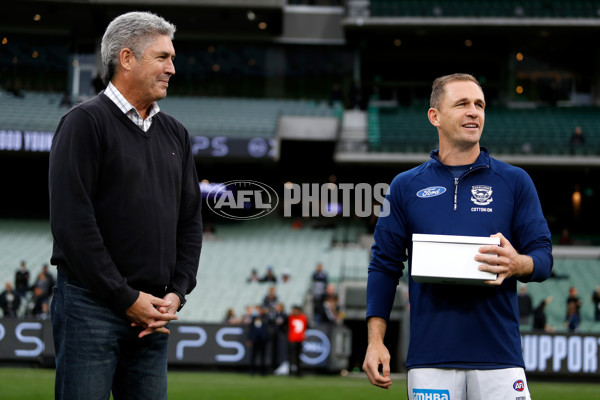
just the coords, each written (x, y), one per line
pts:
(460, 116)
(143, 80)
(152, 71)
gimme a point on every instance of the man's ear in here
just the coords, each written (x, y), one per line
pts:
(432, 114)
(126, 58)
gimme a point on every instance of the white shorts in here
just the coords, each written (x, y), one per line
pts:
(465, 384)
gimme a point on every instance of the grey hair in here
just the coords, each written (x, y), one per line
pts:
(133, 30)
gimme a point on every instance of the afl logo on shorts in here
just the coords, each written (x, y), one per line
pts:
(519, 385)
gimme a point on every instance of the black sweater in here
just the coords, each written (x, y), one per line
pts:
(124, 204)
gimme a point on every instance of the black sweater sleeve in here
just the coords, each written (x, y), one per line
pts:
(189, 226)
(73, 182)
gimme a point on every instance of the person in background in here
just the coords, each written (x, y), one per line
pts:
(319, 282)
(9, 301)
(231, 318)
(539, 316)
(464, 342)
(573, 303)
(278, 324)
(125, 214)
(297, 325)
(577, 139)
(331, 307)
(22, 280)
(525, 305)
(269, 276)
(286, 276)
(270, 300)
(573, 318)
(45, 282)
(596, 301)
(253, 276)
(258, 338)
(565, 237)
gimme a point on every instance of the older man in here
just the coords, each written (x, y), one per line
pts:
(125, 215)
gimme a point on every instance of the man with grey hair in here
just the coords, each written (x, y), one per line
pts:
(125, 216)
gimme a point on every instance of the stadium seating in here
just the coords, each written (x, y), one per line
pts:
(541, 130)
(239, 117)
(226, 260)
(202, 116)
(236, 248)
(585, 276)
(491, 8)
(35, 111)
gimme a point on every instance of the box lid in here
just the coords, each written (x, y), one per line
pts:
(483, 240)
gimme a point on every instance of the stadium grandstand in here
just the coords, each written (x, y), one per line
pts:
(329, 92)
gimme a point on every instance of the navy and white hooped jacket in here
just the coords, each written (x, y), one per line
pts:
(456, 326)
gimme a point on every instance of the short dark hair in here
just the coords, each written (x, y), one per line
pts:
(439, 84)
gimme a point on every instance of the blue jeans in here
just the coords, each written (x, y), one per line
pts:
(98, 351)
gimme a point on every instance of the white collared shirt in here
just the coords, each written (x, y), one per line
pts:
(113, 93)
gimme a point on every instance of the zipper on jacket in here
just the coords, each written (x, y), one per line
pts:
(458, 179)
(455, 193)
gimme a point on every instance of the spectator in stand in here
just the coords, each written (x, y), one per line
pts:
(230, 318)
(65, 100)
(318, 286)
(49, 275)
(331, 310)
(9, 301)
(286, 276)
(297, 325)
(258, 337)
(269, 276)
(525, 305)
(22, 280)
(574, 299)
(577, 139)
(270, 300)
(573, 318)
(41, 288)
(278, 321)
(596, 301)
(247, 315)
(37, 301)
(539, 316)
(45, 281)
(253, 276)
(565, 237)
(44, 312)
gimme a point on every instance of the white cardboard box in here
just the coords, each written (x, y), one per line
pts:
(449, 259)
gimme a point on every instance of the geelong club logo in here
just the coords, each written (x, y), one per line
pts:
(482, 195)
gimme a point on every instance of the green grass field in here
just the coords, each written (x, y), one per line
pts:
(38, 384)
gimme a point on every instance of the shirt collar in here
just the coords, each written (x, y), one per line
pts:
(113, 93)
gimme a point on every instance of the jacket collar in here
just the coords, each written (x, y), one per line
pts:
(482, 160)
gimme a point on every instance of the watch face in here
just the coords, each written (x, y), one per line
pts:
(181, 304)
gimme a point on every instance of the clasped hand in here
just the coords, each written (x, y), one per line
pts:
(153, 313)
